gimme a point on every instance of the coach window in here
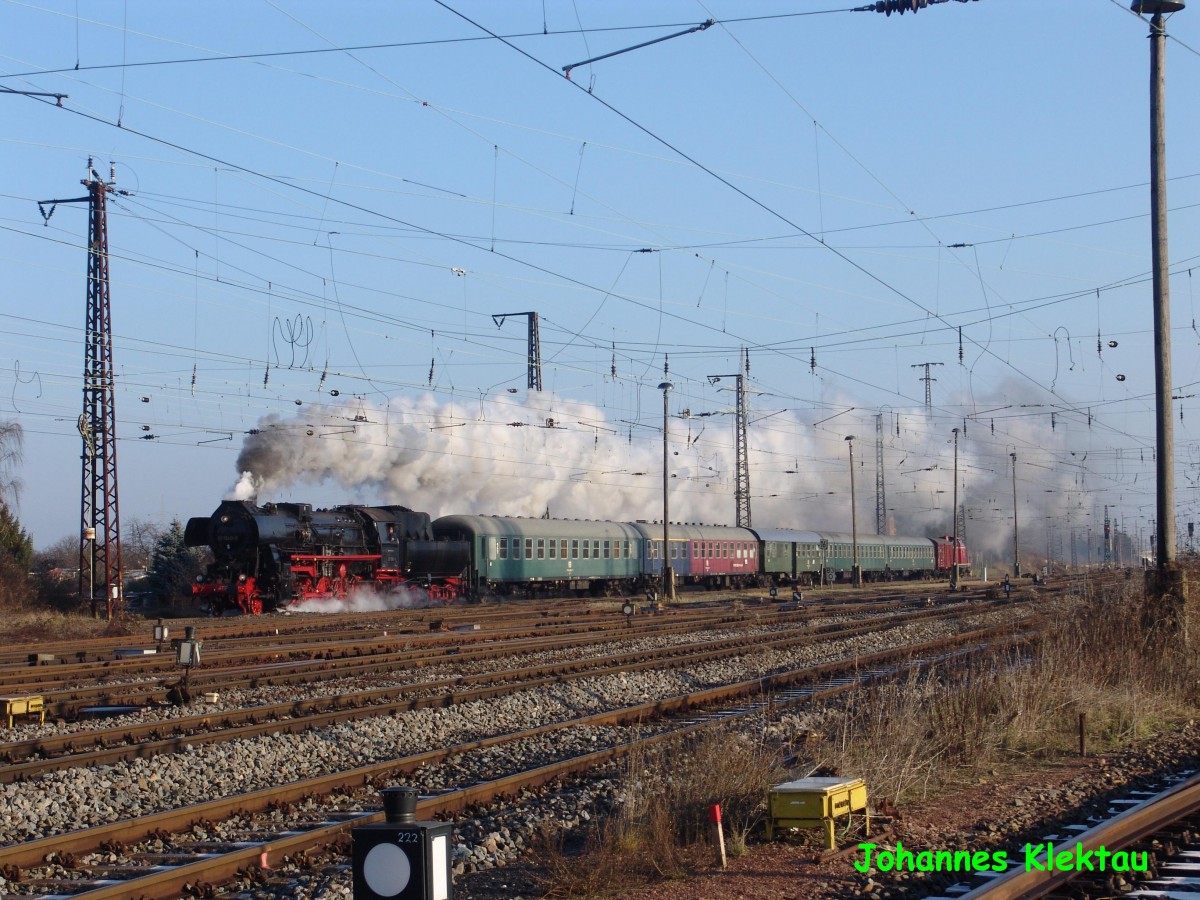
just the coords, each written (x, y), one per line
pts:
(607, 549)
(541, 548)
(504, 548)
(553, 548)
(529, 548)
(595, 549)
(587, 550)
(574, 548)
(562, 548)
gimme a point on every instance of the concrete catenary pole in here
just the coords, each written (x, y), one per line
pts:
(1165, 497)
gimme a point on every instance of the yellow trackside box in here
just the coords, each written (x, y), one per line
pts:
(31, 705)
(816, 803)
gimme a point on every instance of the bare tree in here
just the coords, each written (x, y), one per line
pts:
(12, 451)
(139, 537)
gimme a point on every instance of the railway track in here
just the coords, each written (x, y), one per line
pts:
(70, 689)
(1158, 835)
(102, 746)
(155, 855)
(58, 863)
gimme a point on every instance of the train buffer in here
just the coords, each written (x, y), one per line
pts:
(817, 803)
(29, 705)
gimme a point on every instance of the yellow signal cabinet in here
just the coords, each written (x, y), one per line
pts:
(31, 705)
(816, 803)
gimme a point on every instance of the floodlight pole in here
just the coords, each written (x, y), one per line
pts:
(855, 569)
(668, 575)
(954, 544)
(1016, 538)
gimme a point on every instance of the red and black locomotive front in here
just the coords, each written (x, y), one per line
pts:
(279, 554)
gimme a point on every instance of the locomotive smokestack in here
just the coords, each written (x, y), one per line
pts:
(246, 488)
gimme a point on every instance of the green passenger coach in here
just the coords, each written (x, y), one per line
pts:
(547, 555)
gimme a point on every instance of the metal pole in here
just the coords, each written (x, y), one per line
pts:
(668, 575)
(1162, 308)
(90, 534)
(954, 544)
(1016, 537)
(855, 571)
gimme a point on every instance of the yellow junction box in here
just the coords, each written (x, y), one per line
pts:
(816, 803)
(31, 705)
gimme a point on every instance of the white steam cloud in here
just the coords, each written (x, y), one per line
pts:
(522, 456)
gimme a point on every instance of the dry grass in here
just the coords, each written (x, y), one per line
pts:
(1100, 655)
(43, 625)
(1106, 654)
(661, 816)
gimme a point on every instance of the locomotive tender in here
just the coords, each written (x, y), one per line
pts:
(280, 554)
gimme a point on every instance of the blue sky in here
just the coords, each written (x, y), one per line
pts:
(841, 193)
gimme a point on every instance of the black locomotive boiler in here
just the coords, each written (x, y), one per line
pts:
(268, 557)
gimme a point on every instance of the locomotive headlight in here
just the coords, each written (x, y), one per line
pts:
(241, 578)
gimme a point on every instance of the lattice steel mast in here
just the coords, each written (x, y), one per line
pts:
(928, 379)
(100, 528)
(741, 445)
(534, 347)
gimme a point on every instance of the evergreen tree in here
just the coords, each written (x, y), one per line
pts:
(174, 565)
(16, 555)
(16, 547)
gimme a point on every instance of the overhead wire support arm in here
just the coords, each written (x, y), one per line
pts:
(58, 98)
(701, 27)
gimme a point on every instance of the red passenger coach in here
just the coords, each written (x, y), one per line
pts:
(711, 555)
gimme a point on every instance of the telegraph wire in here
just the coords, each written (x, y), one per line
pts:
(550, 273)
(391, 45)
(887, 286)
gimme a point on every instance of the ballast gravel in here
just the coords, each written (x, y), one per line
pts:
(71, 799)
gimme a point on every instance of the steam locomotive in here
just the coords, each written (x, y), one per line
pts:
(272, 556)
(281, 554)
